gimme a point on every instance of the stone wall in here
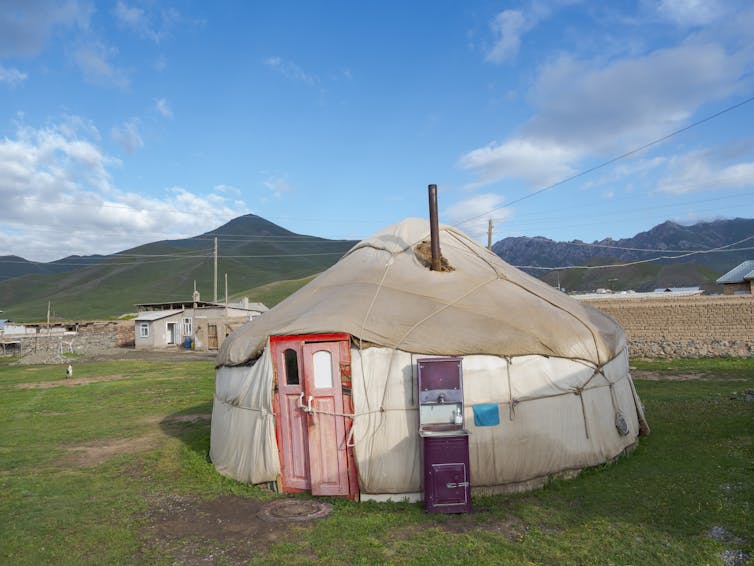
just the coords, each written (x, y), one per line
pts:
(684, 327)
(658, 327)
(90, 338)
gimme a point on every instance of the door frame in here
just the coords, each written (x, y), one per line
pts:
(172, 336)
(278, 345)
(210, 336)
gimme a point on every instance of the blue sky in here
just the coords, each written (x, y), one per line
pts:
(125, 122)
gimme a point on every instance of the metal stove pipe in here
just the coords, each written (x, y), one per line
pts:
(434, 229)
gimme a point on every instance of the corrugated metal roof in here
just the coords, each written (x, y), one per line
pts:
(156, 315)
(740, 273)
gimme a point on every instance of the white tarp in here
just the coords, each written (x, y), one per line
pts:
(557, 369)
(242, 438)
(380, 292)
(545, 427)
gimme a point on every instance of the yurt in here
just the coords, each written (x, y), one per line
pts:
(319, 394)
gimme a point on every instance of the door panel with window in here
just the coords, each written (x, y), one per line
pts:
(310, 426)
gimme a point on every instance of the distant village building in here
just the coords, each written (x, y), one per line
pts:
(192, 324)
(680, 290)
(739, 280)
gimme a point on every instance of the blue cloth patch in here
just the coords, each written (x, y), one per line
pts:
(486, 414)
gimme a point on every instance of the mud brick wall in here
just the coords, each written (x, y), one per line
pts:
(685, 327)
(122, 331)
(90, 338)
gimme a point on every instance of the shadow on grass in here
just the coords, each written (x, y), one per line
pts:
(192, 427)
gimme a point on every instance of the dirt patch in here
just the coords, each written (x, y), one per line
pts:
(227, 530)
(92, 454)
(69, 382)
(655, 376)
(95, 453)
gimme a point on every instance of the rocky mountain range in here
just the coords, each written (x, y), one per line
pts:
(678, 246)
(255, 252)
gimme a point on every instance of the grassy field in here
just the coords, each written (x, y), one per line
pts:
(112, 468)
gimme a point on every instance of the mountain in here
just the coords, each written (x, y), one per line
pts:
(15, 266)
(669, 240)
(252, 251)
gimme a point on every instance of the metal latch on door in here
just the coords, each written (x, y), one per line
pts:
(305, 408)
(451, 485)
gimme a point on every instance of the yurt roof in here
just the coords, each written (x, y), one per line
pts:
(382, 292)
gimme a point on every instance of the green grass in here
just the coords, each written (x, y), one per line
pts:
(694, 472)
(272, 293)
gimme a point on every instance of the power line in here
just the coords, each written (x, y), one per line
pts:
(608, 246)
(538, 218)
(721, 249)
(612, 160)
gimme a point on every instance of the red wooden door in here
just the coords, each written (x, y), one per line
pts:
(312, 444)
(328, 459)
(291, 429)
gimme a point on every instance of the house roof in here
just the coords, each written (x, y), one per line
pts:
(156, 315)
(740, 273)
(261, 307)
(183, 305)
(172, 305)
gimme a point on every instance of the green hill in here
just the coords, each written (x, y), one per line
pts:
(272, 293)
(251, 250)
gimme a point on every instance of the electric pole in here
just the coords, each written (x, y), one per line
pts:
(489, 234)
(215, 297)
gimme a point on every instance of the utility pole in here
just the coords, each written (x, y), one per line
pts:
(215, 297)
(489, 234)
(226, 289)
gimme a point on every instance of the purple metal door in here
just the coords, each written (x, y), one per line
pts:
(447, 486)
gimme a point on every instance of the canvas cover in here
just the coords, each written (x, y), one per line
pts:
(381, 293)
(554, 370)
(554, 415)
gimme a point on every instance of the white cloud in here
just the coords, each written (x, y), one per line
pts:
(290, 70)
(59, 199)
(127, 136)
(472, 215)
(599, 109)
(25, 25)
(93, 59)
(508, 26)
(536, 162)
(163, 107)
(691, 12)
(609, 106)
(152, 25)
(12, 77)
(227, 189)
(702, 170)
(277, 185)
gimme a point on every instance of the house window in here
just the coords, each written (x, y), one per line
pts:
(188, 327)
(144, 330)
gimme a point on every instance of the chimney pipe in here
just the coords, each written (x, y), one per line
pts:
(434, 229)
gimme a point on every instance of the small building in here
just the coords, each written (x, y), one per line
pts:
(739, 280)
(196, 324)
(680, 290)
